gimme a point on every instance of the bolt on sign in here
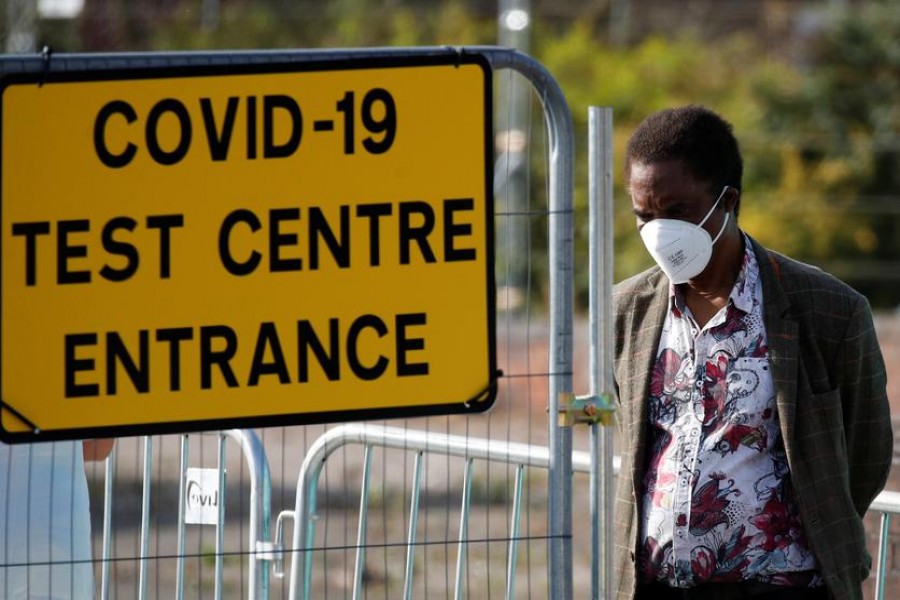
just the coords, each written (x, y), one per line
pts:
(198, 248)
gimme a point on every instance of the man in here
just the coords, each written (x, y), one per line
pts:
(752, 391)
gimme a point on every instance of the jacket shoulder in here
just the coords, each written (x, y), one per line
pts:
(626, 290)
(807, 284)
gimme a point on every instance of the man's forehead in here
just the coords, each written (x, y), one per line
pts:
(662, 176)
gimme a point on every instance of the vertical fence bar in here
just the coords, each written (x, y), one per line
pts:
(220, 521)
(463, 544)
(514, 534)
(260, 511)
(182, 482)
(883, 541)
(561, 241)
(305, 521)
(360, 564)
(560, 363)
(108, 481)
(600, 158)
(145, 517)
(558, 120)
(561, 260)
(413, 526)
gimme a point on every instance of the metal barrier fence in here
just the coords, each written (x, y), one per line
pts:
(255, 553)
(534, 348)
(250, 557)
(420, 443)
(258, 517)
(534, 526)
(888, 504)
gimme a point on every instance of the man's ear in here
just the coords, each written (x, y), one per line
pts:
(732, 199)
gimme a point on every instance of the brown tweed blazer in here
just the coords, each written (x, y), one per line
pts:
(831, 396)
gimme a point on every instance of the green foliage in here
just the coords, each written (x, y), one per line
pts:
(247, 24)
(841, 167)
(240, 26)
(819, 138)
(819, 127)
(635, 82)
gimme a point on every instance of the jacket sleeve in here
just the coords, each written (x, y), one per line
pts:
(866, 411)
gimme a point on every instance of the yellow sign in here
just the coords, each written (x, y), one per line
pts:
(245, 246)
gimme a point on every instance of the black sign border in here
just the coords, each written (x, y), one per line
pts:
(137, 68)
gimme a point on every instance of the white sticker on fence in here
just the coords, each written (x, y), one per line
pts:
(201, 497)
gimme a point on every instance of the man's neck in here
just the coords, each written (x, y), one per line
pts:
(706, 294)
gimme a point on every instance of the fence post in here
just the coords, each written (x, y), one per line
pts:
(561, 250)
(600, 158)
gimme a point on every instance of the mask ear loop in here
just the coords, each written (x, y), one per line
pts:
(713, 207)
(709, 214)
(721, 231)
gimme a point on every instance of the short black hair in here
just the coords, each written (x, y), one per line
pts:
(695, 135)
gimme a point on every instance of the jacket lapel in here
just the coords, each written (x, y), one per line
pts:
(646, 327)
(781, 331)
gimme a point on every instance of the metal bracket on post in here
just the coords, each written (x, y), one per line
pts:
(586, 409)
(274, 551)
(269, 551)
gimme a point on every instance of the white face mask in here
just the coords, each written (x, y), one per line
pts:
(681, 249)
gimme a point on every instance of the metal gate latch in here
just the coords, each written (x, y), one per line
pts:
(586, 409)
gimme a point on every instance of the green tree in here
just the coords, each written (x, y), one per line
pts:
(820, 130)
(636, 81)
(820, 135)
(838, 132)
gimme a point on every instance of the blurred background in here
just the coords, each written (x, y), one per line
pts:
(811, 86)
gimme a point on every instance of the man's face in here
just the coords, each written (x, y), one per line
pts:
(667, 190)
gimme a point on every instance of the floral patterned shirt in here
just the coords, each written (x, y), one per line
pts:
(718, 503)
